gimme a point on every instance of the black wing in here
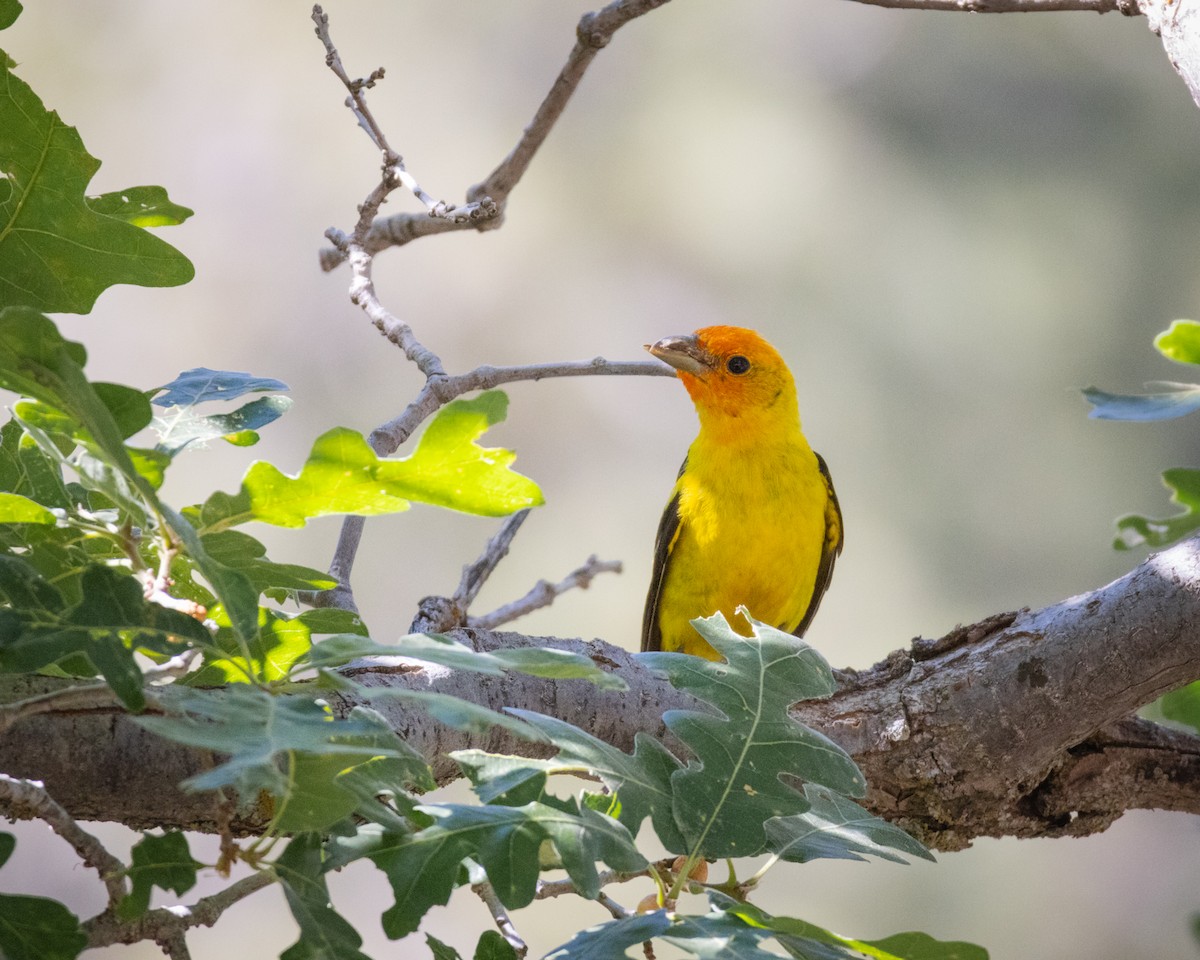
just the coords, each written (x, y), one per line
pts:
(829, 553)
(668, 528)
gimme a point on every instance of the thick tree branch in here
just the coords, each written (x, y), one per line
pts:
(1016, 727)
(1127, 7)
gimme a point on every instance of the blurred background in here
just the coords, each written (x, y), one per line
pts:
(948, 224)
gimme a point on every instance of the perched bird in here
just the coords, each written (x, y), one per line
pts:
(753, 519)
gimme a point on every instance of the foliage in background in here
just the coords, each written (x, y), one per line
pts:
(1181, 343)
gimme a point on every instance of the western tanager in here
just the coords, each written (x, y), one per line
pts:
(753, 519)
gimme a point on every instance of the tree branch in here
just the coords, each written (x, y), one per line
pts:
(1015, 727)
(1127, 7)
(29, 800)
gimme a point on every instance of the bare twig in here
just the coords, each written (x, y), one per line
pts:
(504, 923)
(608, 903)
(387, 438)
(362, 287)
(169, 924)
(487, 199)
(545, 593)
(175, 947)
(28, 800)
(475, 575)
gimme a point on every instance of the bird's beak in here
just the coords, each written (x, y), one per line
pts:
(683, 353)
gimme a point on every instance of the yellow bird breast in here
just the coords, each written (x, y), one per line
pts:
(761, 551)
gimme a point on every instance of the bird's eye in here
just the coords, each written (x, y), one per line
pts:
(737, 365)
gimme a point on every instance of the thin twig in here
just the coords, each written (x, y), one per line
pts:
(362, 286)
(166, 923)
(436, 393)
(545, 593)
(475, 575)
(28, 800)
(504, 923)
(593, 34)
(486, 200)
(608, 903)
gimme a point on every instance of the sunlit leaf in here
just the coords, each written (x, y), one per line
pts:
(1136, 531)
(1180, 342)
(343, 475)
(15, 508)
(1183, 705)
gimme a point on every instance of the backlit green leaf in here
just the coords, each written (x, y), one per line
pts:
(324, 933)
(255, 729)
(15, 508)
(1180, 342)
(835, 827)
(1136, 531)
(141, 206)
(343, 475)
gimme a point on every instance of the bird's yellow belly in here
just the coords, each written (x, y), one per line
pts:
(761, 552)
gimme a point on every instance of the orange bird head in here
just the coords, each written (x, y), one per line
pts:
(734, 377)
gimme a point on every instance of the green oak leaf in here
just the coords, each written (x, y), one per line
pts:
(810, 942)
(1180, 342)
(57, 253)
(608, 941)
(423, 867)
(36, 928)
(642, 781)
(163, 862)
(256, 730)
(733, 784)
(1183, 706)
(1135, 531)
(111, 621)
(343, 475)
(15, 508)
(37, 361)
(147, 206)
(492, 946)
(835, 827)
(324, 933)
